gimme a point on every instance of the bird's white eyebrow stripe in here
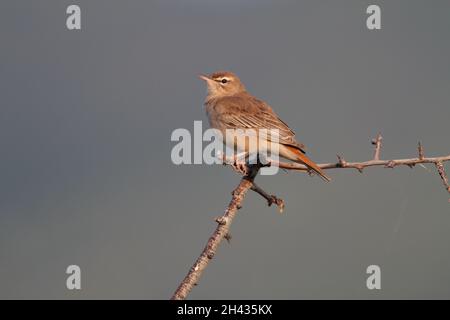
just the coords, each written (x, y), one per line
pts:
(221, 78)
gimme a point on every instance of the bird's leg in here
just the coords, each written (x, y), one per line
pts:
(271, 199)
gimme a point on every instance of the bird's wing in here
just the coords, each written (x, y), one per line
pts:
(250, 113)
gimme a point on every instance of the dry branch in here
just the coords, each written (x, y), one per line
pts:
(376, 161)
(221, 232)
(271, 199)
(247, 183)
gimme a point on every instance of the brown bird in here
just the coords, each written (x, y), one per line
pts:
(230, 106)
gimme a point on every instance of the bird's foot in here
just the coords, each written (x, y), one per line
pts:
(240, 167)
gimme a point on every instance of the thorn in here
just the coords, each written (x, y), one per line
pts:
(221, 220)
(210, 255)
(421, 152)
(228, 237)
(281, 205)
(264, 165)
(341, 162)
(377, 143)
(391, 164)
(239, 207)
(378, 139)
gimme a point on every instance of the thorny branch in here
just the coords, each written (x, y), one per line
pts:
(376, 161)
(221, 232)
(247, 183)
(271, 199)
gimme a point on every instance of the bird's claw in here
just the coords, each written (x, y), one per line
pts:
(240, 167)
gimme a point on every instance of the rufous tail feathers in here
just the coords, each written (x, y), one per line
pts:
(303, 159)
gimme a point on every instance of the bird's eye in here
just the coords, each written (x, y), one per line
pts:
(224, 80)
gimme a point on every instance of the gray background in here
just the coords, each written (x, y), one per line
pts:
(86, 176)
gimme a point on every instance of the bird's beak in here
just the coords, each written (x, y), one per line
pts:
(204, 77)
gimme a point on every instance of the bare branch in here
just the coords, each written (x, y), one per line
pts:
(376, 161)
(221, 232)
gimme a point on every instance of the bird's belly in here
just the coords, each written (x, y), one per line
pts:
(248, 142)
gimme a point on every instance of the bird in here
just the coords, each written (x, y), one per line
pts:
(230, 106)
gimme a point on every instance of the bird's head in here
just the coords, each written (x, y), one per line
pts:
(223, 83)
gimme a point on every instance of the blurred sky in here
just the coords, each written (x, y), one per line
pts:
(85, 170)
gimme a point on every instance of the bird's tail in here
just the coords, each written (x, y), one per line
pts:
(301, 158)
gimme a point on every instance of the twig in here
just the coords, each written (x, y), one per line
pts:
(377, 143)
(441, 171)
(271, 199)
(241, 167)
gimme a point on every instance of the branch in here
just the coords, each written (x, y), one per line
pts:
(247, 183)
(376, 161)
(221, 232)
(271, 199)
